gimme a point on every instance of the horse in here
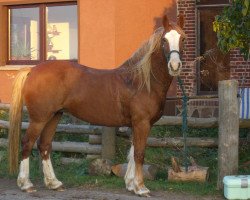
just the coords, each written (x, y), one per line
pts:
(132, 95)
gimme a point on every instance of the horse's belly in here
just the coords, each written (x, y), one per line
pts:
(106, 114)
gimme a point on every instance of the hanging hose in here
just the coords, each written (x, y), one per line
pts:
(184, 122)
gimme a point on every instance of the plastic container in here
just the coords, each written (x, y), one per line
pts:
(237, 187)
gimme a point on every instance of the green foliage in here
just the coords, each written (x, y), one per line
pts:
(233, 27)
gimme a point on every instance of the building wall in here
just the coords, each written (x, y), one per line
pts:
(238, 67)
(109, 32)
(187, 8)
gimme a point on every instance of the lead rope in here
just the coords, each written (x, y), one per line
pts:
(184, 122)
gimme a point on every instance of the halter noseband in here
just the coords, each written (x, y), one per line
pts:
(167, 55)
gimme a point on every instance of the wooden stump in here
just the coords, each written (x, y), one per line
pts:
(194, 173)
(149, 171)
(199, 174)
(100, 167)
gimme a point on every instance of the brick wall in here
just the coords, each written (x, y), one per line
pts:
(238, 67)
(188, 75)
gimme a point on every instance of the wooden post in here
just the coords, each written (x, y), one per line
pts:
(228, 130)
(108, 143)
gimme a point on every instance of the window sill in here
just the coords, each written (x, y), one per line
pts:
(14, 67)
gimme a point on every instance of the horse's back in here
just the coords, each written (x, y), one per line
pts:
(89, 94)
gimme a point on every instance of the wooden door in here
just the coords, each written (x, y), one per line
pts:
(213, 65)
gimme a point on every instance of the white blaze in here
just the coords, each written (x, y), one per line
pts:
(173, 38)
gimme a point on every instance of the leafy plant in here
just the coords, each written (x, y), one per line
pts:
(21, 51)
(233, 27)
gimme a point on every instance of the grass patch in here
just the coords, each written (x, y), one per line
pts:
(77, 174)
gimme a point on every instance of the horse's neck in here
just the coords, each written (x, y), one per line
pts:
(160, 77)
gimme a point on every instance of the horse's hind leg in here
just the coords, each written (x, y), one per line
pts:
(134, 175)
(28, 141)
(44, 146)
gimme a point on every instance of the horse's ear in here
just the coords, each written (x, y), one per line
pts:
(180, 21)
(165, 23)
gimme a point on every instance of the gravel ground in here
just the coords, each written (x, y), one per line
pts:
(9, 191)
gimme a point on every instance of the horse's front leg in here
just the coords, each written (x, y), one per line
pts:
(134, 175)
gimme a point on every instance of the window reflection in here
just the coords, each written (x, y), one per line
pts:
(24, 34)
(61, 37)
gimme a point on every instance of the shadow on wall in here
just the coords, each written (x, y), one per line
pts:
(171, 13)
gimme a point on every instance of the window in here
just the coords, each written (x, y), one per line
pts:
(42, 32)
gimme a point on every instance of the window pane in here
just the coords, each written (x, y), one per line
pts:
(62, 41)
(24, 34)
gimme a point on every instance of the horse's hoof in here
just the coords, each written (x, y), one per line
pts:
(60, 189)
(143, 192)
(145, 195)
(30, 190)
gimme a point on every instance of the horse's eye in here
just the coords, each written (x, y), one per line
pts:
(183, 39)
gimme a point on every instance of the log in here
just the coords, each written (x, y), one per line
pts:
(93, 157)
(198, 174)
(178, 142)
(76, 147)
(108, 143)
(175, 165)
(166, 142)
(149, 171)
(196, 122)
(95, 139)
(66, 161)
(228, 154)
(192, 122)
(100, 167)
(68, 128)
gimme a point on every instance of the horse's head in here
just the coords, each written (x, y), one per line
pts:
(172, 44)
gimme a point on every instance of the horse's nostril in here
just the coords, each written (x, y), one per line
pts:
(179, 65)
(171, 67)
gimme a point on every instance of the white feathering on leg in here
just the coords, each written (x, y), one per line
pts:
(50, 179)
(23, 180)
(130, 173)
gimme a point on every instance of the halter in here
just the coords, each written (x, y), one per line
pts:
(167, 55)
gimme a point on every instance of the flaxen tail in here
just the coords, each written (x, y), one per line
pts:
(15, 119)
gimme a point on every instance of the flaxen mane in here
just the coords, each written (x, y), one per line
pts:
(140, 61)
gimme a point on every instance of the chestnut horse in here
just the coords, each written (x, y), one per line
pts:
(132, 95)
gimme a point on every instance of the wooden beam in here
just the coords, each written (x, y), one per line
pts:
(108, 143)
(68, 128)
(95, 139)
(76, 147)
(192, 122)
(228, 153)
(179, 142)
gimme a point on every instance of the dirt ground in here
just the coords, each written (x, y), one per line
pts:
(9, 191)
